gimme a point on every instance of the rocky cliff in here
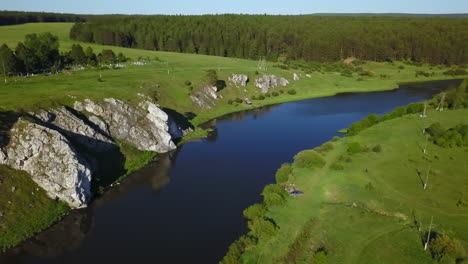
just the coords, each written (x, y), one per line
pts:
(54, 145)
(266, 82)
(51, 160)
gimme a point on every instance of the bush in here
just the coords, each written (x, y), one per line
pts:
(253, 98)
(261, 97)
(230, 102)
(188, 83)
(275, 94)
(347, 73)
(267, 95)
(398, 112)
(324, 148)
(415, 108)
(262, 228)
(237, 248)
(401, 67)
(357, 127)
(273, 194)
(282, 174)
(377, 148)
(337, 166)
(354, 147)
(238, 100)
(291, 91)
(309, 159)
(254, 211)
(446, 250)
(457, 71)
(335, 138)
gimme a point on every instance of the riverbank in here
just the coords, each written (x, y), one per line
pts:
(364, 200)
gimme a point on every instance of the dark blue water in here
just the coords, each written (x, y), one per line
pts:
(187, 206)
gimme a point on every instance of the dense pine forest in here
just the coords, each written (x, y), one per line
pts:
(432, 40)
(17, 17)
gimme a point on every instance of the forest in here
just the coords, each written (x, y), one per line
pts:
(17, 17)
(433, 40)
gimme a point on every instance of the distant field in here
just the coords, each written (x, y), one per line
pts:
(382, 215)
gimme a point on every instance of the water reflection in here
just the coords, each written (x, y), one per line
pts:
(65, 236)
(68, 234)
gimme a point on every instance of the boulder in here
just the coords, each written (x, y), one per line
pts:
(144, 126)
(77, 129)
(52, 162)
(296, 77)
(270, 81)
(205, 97)
(238, 80)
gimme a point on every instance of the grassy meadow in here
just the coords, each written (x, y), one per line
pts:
(371, 207)
(165, 75)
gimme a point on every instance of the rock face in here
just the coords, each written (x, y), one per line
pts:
(205, 97)
(2, 156)
(143, 126)
(71, 125)
(296, 77)
(270, 81)
(238, 80)
(52, 162)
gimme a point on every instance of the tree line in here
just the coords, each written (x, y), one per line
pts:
(17, 17)
(432, 40)
(40, 53)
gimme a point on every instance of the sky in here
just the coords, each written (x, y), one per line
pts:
(197, 7)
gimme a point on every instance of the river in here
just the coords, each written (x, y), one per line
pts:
(186, 207)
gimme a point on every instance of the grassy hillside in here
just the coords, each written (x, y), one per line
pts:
(166, 74)
(371, 207)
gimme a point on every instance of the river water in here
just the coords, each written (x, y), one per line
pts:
(186, 207)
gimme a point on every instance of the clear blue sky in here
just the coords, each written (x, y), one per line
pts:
(237, 6)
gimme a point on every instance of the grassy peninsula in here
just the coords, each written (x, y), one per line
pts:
(369, 198)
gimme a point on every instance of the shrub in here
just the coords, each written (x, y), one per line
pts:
(253, 97)
(238, 100)
(398, 112)
(291, 91)
(335, 138)
(282, 174)
(324, 148)
(377, 148)
(309, 159)
(230, 102)
(281, 91)
(267, 95)
(273, 194)
(446, 250)
(275, 94)
(237, 248)
(401, 67)
(457, 71)
(261, 97)
(254, 211)
(337, 166)
(262, 228)
(188, 83)
(415, 108)
(354, 147)
(347, 73)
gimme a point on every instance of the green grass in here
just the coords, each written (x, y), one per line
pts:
(27, 210)
(153, 79)
(379, 216)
